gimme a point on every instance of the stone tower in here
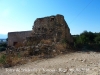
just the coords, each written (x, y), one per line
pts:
(52, 27)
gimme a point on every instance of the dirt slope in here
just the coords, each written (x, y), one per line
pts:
(79, 63)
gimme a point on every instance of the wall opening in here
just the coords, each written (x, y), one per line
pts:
(52, 19)
(38, 28)
(15, 43)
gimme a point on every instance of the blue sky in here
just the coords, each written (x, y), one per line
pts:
(19, 15)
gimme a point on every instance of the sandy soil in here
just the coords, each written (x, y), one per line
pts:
(78, 63)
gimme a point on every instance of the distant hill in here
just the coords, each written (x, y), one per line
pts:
(3, 36)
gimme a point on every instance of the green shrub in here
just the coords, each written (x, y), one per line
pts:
(19, 55)
(2, 48)
(3, 45)
(3, 59)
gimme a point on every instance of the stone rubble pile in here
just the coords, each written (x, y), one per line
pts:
(48, 50)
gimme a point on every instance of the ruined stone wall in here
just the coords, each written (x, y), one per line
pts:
(54, 26)
(50, 27)
(15, 37)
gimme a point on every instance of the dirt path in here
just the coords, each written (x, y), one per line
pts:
(80, 63)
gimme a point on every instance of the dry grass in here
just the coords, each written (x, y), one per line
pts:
(46, 41)
(34, 58)
(11, 60)
(14, 59)
(0, 64)
(60, 48)
(23, 56)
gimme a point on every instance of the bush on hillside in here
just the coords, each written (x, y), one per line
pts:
(2, 49)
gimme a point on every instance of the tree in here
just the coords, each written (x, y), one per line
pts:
(97, 39)
(84, 37)
(88, 36)
(7, 39)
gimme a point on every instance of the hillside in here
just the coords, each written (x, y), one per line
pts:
(78, 63)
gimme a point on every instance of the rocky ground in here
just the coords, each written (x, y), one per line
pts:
(78, 63)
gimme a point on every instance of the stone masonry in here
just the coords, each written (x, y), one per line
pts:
(52, 27)
(17, 37)
(46, 37)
